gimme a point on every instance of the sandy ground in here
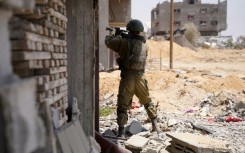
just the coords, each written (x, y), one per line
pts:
(195, 74)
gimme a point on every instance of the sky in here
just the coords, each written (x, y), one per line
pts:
(141, 9)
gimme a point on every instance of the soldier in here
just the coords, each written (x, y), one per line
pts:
(132, 51)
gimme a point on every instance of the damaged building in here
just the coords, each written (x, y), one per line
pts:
(210, 19)
(49, 72)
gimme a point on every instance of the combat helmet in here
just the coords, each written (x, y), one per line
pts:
(135, 26)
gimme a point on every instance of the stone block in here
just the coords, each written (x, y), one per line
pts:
(172, 122)
(150, 150)
(136, 142)
(109, 133)
(240, 105)
(135, 127)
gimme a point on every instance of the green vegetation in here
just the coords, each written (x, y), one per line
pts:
(105, 111)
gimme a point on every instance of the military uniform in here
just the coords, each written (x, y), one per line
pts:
(132, 52)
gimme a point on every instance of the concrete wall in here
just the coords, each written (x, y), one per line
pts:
(212, 16)
(81, 39)
(119, 12)
(103, 23)
(39, 51)
(112, 13)
(21, 128)
(33, 71)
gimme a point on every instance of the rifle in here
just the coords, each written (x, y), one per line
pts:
(118, 31)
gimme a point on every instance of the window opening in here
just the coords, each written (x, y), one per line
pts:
(203, 23)
(177, 11)
(214, 10)
(155, 15)
(177, 23)
(214, 22)
(203, 10)
(191, 1)
(190, 17)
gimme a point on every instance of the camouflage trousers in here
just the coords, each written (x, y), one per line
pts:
(133, 83)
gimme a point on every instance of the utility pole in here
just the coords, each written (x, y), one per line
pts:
(171, 32)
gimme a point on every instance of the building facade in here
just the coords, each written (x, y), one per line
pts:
(210, 19)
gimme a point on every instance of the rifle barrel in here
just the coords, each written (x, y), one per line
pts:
(110, 29)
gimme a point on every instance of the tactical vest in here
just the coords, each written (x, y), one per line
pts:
(135, 58)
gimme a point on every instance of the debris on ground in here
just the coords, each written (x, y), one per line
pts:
(204, 96)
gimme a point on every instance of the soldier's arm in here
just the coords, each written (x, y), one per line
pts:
(115, 43)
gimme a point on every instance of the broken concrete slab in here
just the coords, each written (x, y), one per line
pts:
(156, 145)
(240, 105)
(187, 142)
(135, 127)
(172, 122)
(72, 138)
(23, 128)
(151, 150)
(147, 126)
(111, 136)
(136, 143)
(109, 132)
(144, 134)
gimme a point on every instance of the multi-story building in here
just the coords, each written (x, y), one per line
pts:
(210, 19)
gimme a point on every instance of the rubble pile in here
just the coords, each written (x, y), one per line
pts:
(223, 126)
(225, 103)
(203, 96)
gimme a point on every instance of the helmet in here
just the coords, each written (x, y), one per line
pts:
(135, 25)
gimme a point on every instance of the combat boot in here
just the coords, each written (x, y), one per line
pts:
(121, 132)
(154, 126)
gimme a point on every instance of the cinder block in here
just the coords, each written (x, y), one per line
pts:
(136, 142)
(187, 142)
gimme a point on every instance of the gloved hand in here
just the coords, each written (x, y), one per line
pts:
(113, 32)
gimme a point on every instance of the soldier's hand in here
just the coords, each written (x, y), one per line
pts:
(113, 32)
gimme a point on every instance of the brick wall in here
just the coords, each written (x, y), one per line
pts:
(38, 42)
